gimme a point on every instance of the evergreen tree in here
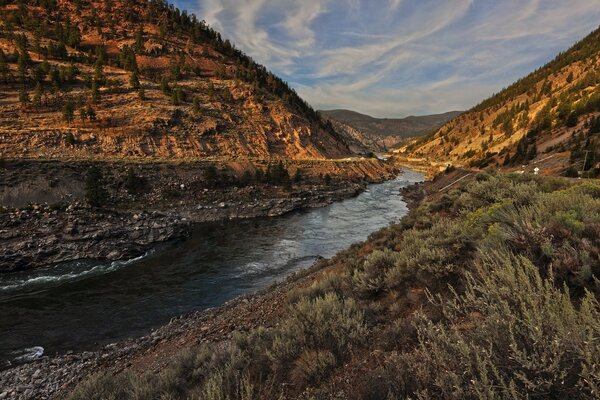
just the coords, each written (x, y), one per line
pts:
(83, 114)
(139, 39)
(298, 176)
(91, 113)
(532, 154)
(196, 105)
(4, 70)
(211, 175)
(95, 192)
(259, 175)
(134, 81)
(24, 99)
(164, 85)
(23, 65)
(68, 111)
(95, 92)
(37, 94)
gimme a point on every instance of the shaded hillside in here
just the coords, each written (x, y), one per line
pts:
(136, 78)
(379, 133)
(549, 118)
(380, 320)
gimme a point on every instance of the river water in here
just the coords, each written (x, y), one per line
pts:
(80, 306)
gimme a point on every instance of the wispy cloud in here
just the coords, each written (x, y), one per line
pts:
(399, 57)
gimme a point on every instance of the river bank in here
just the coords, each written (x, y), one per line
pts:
(50, 376)
(41, 235)
(45, 219)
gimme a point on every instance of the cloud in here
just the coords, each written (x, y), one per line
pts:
(399, 57)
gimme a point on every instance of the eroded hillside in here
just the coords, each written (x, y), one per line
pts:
(141, 79)
(548, 119)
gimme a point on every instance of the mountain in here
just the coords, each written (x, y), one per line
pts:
(379, 133)
(548, 119)
(142, 79)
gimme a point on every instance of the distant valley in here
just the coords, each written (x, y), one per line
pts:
(366, 133)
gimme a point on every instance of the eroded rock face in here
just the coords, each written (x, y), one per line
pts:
(40, 236)
(44, 218)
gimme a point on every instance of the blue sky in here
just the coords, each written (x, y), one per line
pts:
(393, 58)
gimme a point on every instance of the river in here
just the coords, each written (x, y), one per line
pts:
(80, 306)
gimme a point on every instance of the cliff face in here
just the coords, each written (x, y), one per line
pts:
(548, 118)
(139, 79)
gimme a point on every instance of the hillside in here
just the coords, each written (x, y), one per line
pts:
(380, 133)
(549, 118)
(141, 79)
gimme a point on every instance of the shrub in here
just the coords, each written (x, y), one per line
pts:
(312, 366)
(95, 192)
(432, 257)
(325, 323)
(512, 334)
(370, 279)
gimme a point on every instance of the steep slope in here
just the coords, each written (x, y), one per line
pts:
(141, 79)
(548, 118)
(379, 133)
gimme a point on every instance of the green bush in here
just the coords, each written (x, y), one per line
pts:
(325, 323)
(512, 334)
(370, 279)
(432, 257)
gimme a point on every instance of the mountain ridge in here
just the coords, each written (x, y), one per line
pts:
(142, 79)
(545, 120)
(380, 133)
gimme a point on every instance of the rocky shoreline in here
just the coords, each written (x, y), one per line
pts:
(41, 235)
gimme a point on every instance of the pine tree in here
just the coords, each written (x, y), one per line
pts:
(196, 105)
(83, 114)
(95, 192)
(91, 113)
(24, 99)
(139, 39)
(95, 92)
(164, 85)
(134, 81)
(68, 111)
(4, 70)
(37, 94)
(298, 176)
(23, 65)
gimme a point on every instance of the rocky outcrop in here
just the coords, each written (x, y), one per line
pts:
(39, 235)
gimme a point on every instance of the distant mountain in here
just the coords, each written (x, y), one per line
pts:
(547, 120)
(378, 133)
(142, 79)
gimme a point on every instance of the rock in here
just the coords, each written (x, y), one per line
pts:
(114, 255)
(3, 395)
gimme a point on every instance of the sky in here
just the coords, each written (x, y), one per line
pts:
(394, 58)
